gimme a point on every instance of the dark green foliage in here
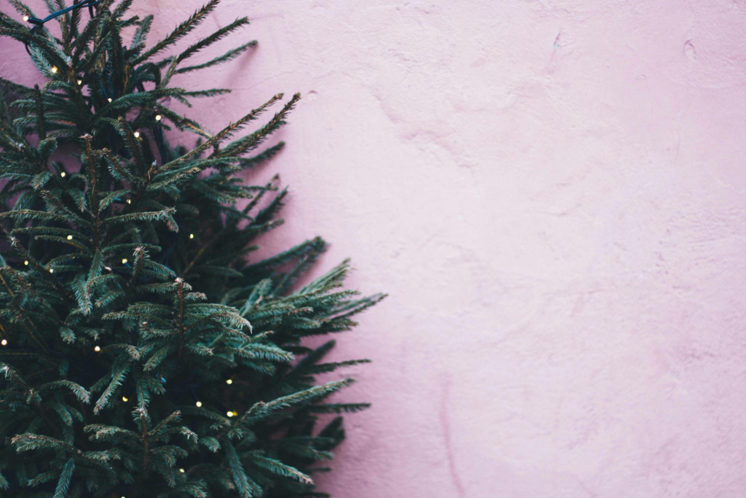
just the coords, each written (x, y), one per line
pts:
(143, 354)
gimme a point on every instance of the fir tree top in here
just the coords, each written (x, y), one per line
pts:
(143, 352)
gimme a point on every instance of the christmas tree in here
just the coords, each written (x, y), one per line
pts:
(143, 352)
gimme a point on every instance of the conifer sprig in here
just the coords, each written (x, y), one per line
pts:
(143, 352)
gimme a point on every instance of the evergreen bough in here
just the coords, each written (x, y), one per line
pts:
(143, 353)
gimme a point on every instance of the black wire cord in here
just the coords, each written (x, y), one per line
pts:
(39, 23)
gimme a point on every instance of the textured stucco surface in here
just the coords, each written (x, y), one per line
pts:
(553, 194)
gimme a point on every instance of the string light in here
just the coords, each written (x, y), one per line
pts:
(129, 201)
(80, 82)
(158, 117)
(97, 349)
(137, 134)
(191, 235)
(109, 99)
(39, 23)
(54, 69)
(230, 414)
(125, 399)
(124, 261)
(51, 270)
(199, 404)
(4, 342)
(63, 174)
(26, 262)
(69, 237)
(229, 381)
(181, 470)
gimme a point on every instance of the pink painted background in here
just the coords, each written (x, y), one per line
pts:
(554, 195)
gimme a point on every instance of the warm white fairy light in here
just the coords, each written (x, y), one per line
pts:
(63, 174)
(158, 117)
(26, 18)
(109, 99)
(191, 235)
(229, 381)
(69, 237)
(97, 349)
(181, 470)
(51, 270)
(129, 201)
(125, 399)
(199, 404)
(54, 69)
(26, 262)
(137, 134)
(80, 82)
(124, 261)
(230, 414)
(4, 342)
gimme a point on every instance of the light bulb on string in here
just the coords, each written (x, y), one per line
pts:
(54, 69)
(158, 117)
(137, 134)
(4, 342)
(97, 349)
(69, 237)
(229, 381)
(25, 262)
(51, 270)
(124, 261)
(191, 235)
(26, 18)
(125, 398)
(63, 174)
(199, 404)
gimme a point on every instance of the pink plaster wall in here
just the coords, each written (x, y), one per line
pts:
(553, 194)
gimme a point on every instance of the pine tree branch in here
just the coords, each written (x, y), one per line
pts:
(39, 114)
(220, 135)
(182, 30)
(180, 315)
(93, 190)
